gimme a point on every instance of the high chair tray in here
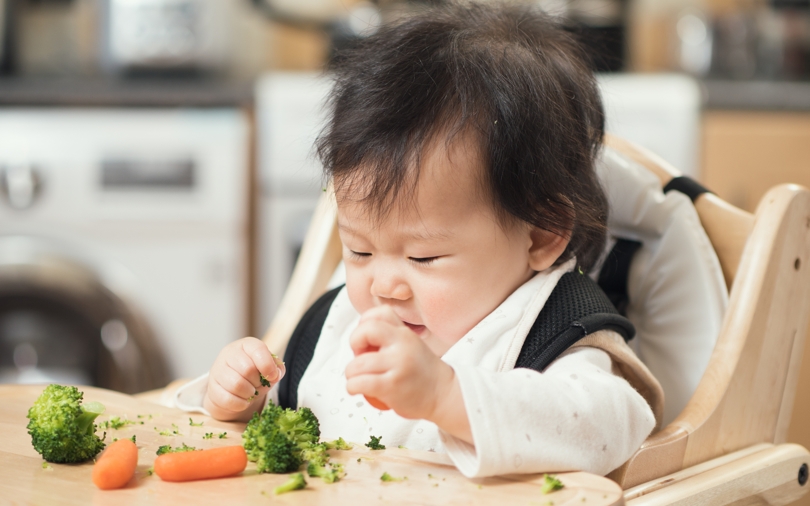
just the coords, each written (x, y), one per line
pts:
(24, 479)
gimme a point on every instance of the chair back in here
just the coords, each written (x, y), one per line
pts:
(746, 394)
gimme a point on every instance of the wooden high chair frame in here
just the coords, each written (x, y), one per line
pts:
(728, 445)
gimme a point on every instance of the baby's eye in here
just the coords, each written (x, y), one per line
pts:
(358, 254)
(423, 260)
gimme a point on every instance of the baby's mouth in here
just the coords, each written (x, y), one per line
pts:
(416, 328)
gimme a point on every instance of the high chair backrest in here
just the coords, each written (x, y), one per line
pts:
(746, 395)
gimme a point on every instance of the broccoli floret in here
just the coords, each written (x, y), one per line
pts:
(264, 381)
(337, 444)
(550, 484)
(276, 438)
(387, 477)
(374, 443)
(329, 474)
(62, 428)
(296, 482)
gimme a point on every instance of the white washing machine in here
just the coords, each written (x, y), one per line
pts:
(123, 243)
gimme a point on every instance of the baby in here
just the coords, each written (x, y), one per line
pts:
(461, 147)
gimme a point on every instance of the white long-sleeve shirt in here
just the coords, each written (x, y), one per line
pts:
(578, 414)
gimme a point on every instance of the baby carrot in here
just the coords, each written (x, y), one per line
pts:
(116, 466)
(202, 464)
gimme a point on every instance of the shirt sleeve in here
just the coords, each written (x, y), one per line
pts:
(577, 415)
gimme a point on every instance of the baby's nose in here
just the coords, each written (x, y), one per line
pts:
(390, 287)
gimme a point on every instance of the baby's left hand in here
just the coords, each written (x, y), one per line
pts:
(394, 365)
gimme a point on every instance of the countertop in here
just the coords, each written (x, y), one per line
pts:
(217, 92)
(123, 92)
(25, 480)
(756, 95)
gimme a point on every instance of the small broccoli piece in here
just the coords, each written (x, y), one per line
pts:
(387, 477)
(208, 435)
(264, 382)
(550, 484)
(329, 474)
(168, 449)
(223, 435)
(316, 454)
(191, 422)
(338, 444)
(62, 428)
(296, 482)
(116, 423)
(374, 443)
(276, 438)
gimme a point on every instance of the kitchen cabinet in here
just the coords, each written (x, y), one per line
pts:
(744, 154)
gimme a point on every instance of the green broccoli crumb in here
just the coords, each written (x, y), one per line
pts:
(402, 446)
(374, 443)
(115, 423)
(46, 466)
(264, 381)
(222, 435)
(191, 422)
(550, 484)
(208, 435)
(387, 477)
(296, 482)
(168, 449)
(338, 444)
(329, 474)
(150, 471)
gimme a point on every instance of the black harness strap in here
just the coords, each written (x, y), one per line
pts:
(687, 186)
(302, 346)
(576, 307)
(616, 268)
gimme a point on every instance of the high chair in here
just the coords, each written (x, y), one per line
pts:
(728, 445)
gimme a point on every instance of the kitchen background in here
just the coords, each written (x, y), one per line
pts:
(156, 173)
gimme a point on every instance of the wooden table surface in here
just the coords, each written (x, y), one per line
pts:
(24, 480)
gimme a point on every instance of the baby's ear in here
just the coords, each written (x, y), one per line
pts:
(545, 248)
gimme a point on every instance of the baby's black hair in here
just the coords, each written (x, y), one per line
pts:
(510, 75)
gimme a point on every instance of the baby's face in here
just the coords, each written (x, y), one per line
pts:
(442, 263)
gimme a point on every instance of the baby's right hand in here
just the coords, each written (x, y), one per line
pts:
(235, 391)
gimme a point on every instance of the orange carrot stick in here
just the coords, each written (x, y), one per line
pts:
(201, 464)
(116, 466)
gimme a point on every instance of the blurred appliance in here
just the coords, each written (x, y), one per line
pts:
(165, 35)
(661, 113)
(289, 115)
(601, 26)
(5, 35)
(763, 41)
(122, 243)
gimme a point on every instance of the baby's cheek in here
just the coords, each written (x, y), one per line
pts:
(359, 292)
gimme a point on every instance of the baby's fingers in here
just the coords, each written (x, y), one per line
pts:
(230, 392)
(370, 335)
(262, 361)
